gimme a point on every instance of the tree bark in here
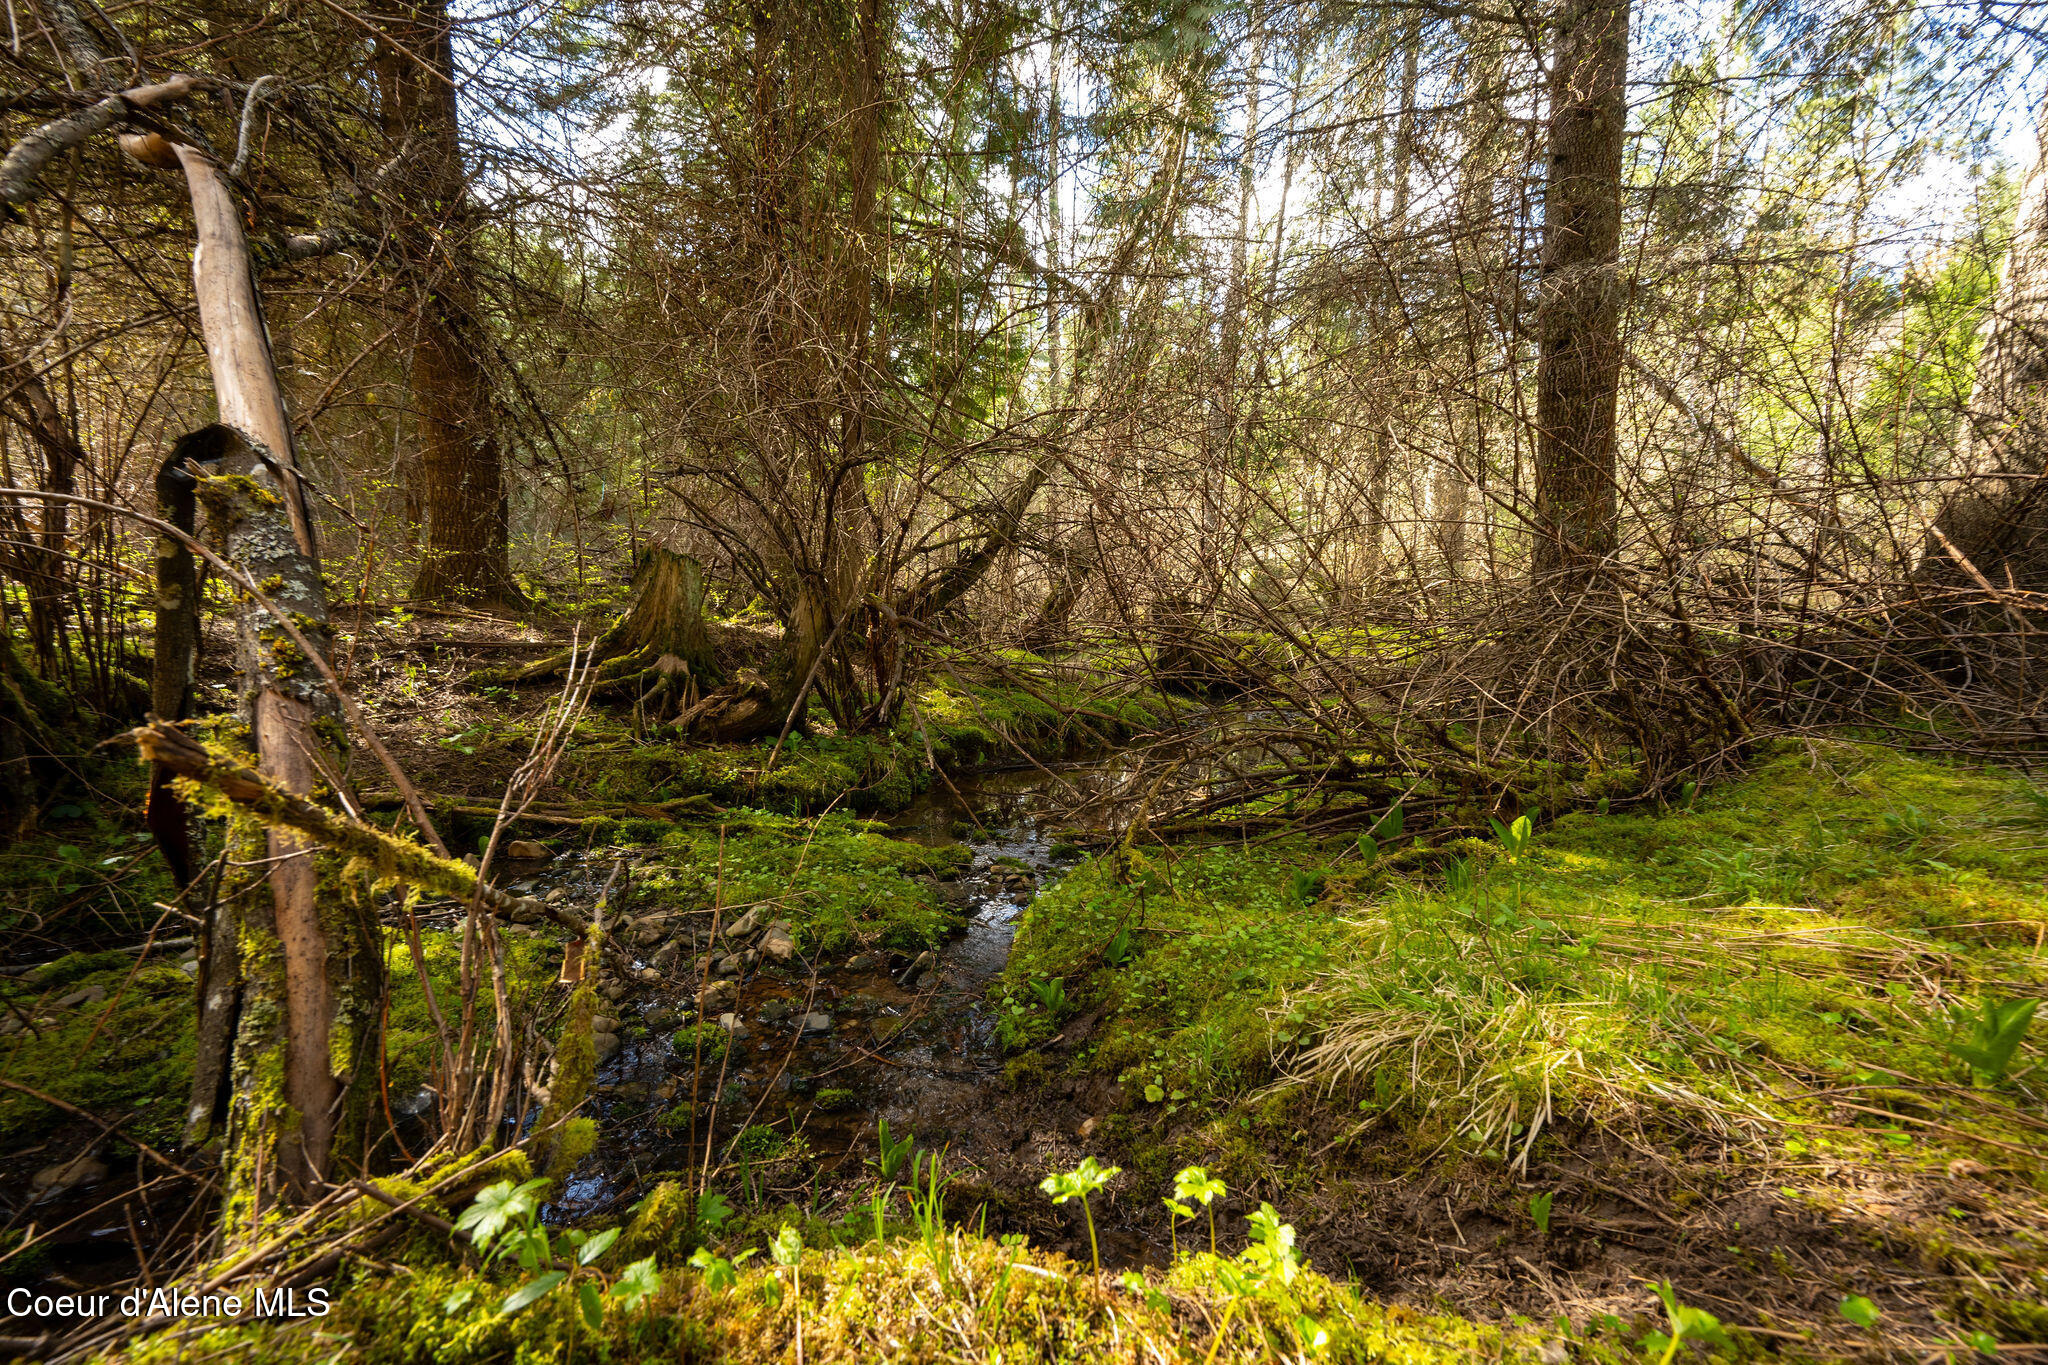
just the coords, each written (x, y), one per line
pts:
(1578, 315)
(462, 484)
(1998, 520)
(302, 978)
(39, 555)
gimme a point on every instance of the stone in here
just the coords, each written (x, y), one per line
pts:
(603, 1023)
(647, 976)
(730, 964)
(865, 962)
(189, 968)
(606, 1043)
(526, 911)
(719, 995)
(527, 851)
(749, 958)
(83, 1169)
(614, 991)
(778, 943)
(746, 926)
(557, 895)
(648, 934)
(91, 995)
(731, 1024)
(636, 1092)
(817, 1022)
(664, 959)
(775, 1011)
(663, 1018)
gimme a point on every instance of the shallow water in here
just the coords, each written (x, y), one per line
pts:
(920, 1051)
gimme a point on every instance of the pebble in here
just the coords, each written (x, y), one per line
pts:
(817, 1023)
(607, 1044)
(744, 927)
(557, 895)
(91, 995)
(528, 851)
(664, 958)
(731, 1024)
(865, 962)
(775, 1011)
(719, 995)
(730, 964)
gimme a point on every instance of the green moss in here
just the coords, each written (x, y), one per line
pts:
(1635, 969)
(836, 878)
(707, 1041)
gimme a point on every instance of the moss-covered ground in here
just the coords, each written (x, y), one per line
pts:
(1781, 987)
(1755, 1045)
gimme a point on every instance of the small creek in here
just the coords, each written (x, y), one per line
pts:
(915, 1046)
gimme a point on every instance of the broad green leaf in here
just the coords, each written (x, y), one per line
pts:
(530, 1291)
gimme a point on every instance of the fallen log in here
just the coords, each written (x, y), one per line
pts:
(388, 854)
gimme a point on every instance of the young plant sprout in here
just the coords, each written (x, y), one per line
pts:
(1079, 1183)
(1195, 1183)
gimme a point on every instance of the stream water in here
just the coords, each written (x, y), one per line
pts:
(822, 1057)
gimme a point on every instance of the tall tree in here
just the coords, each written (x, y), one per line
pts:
(461, 467)
(1578, 314)
(1998, 520)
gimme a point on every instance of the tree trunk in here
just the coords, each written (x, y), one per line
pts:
(1578, 316)
(311, 984)
(1999, 519)
(39, 555)
(461, 475)
(175, 651)
(30, 713)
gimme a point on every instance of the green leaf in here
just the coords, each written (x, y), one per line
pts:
(1860, 1311)
(788, 1247)
(532, 1290)
(593, 1307)
(712, 1210)
(1194, 1183)
(636, 1284)
(459, 1300)
(1153, 1094)
(597, 1246)
(498, 1207)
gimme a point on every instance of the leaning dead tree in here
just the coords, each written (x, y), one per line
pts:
(300, 974)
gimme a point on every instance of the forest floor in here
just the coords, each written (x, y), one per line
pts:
(1754, 1048)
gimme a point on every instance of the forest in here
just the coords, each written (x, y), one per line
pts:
(678, 681)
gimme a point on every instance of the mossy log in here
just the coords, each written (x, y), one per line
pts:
(389, 856)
